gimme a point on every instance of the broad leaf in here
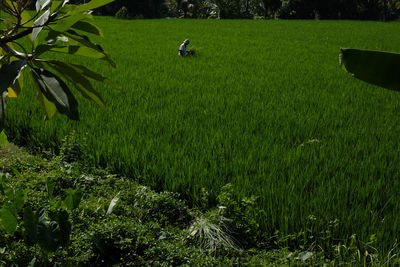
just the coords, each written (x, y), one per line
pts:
(30, 225)
(3, 138)
(10, 73)
(63, 236)
(92, 5)
(87, 27)
(82, 84)
(42, 4)
(48, 107)
(25, 17)
(96, 76)
(56, 4)
(10, 193)
(76, 44)
(7, 219)
(375, 67)
(84, 40)
(38, 24)
(83, 51)
(50, 184)
(73, 198)
(16, 88)
(112, 204)
(56, 91)
(20, 199)
(66, 23)
(47, 230)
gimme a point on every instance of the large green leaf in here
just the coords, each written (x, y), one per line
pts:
(47, 230)
(62, 219)
(375, 67)
(48, 107)
(87, 27)
(16, 88)
(92, 5)
(20, 199)
(82, 84)
(76, 44)
(30, 225)
(50, 185)
(96, 76)
(56, 91)
(82, 51)
(57, 4)
(67, 22)
(84, 40)
(9, 191)
(7, 219)
(42, 4)
(3, 138)
(26, 19)
(38, 23)
(73, 198)
(9, 74)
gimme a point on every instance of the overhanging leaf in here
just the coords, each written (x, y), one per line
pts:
(82, 84)
(66, 23)
(56, 91)
(38, 24)
(26, 19)
(375, 67)
(84, 40)
(48, 107)
(8, 220)
(92, 5)
(10, 73)
(42, 4)
(96, 76)
(87, 27)
(75, 44)
(16, 88)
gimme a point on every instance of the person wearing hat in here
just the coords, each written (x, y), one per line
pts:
(182, 48)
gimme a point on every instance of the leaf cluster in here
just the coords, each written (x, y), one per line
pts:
(55, 27)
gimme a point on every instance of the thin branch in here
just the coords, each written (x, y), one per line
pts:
(34, 17)
(15, 53)
(8, 39)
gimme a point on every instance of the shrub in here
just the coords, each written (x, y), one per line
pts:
(122, 13)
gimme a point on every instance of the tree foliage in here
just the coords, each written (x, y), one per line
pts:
(25, 40)
(287, 9)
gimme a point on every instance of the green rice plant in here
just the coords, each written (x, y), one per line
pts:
(245, 110)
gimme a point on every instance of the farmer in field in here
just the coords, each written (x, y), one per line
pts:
(182, 49)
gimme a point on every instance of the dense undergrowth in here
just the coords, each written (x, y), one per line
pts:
(116, 221)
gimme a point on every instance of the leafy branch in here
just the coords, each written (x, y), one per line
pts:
(56, 26)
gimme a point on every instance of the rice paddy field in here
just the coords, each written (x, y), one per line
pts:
(263, 105)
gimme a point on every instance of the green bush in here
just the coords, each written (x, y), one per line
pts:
(122, 13)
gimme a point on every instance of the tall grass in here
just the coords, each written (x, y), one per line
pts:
(263, 105)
